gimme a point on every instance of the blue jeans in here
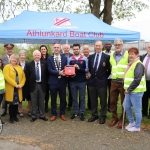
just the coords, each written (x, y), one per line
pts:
(134, 100)
(75, 87)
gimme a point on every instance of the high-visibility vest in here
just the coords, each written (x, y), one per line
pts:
(129, 77)
(2, 81)
(118, 69)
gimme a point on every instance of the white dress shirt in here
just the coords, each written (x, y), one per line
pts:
(148, 68)
(39, 69)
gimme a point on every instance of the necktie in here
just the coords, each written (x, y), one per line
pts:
(37, 72)
(96, 63)
(146, 64)
(57, 62)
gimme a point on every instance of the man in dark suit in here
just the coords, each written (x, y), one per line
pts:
(37, 79)
(146, 61)
(57, 82)
(66, 49)
(98, 67)
(5, 59)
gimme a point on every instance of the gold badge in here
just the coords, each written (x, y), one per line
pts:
(104, 64)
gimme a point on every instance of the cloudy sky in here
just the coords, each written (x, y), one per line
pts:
(141, 23)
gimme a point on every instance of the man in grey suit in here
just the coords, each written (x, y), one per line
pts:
(5, 59)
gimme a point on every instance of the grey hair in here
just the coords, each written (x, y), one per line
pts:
(36, 51)
(22, 52)
(14, 56)
(117, 39)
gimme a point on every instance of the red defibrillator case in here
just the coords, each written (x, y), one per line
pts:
(69, 70)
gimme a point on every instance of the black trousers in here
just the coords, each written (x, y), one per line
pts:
(109, 85)
(70, 97)
(46, 98)
(96, 92)
(145, 99)
(13, 110)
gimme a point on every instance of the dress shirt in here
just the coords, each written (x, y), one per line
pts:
(99, 59)
(59, 58)
(148, 68)
(118, 56)
(39, 69)
(22, 65)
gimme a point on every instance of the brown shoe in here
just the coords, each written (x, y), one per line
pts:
(119, 126)
(113, 122)
(53, 118)
(63, 117)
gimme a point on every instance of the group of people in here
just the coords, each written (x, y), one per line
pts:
(103, 73)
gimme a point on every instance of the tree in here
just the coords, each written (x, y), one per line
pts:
(107, 10)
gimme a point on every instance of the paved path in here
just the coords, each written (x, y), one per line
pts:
(70, 135)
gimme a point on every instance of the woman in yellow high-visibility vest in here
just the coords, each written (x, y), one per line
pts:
(2, 84)
(134, 85)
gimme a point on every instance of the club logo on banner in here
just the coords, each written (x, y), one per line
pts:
(62, 23)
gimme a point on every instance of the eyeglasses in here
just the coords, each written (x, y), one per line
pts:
(118, 45)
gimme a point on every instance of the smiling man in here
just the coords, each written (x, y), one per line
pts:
(119, 62)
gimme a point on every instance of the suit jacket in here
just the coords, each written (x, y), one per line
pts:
(142, 57)
(69, 54)
(31, 76)
(53, 73)
(5, 60)
(99, 79)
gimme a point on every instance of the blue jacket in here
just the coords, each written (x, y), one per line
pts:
(82, 62)
(53, 73)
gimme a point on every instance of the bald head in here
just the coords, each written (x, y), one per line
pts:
(98, 46)
(66, 48)
(37, 55)
(86, 50)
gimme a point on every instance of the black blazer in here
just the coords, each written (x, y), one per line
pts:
(31, 77)
(142, 57)
(99, 79)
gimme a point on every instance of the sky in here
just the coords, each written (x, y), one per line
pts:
(141, 24)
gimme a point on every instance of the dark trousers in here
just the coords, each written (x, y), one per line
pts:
(116, 89)
(102, 93)
(145, 99)
(70, 97)
(89, 100)
(46, 99)
(1, 98)
(61, 88)
(37, 99)
(108, 100)
(13, 110)
(4, 106)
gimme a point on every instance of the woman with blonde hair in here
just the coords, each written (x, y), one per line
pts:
(14, 80)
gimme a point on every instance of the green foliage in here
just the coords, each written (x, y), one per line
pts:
(122, 9)
(29, 49)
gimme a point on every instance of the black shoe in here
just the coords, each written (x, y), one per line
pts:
(16, 119)
(4, 113)
(102, 121)
(82, 117)
(93, 118)
(148, 116)
(43, 118)
(74, 116)
(33, 119)
(11, 120)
